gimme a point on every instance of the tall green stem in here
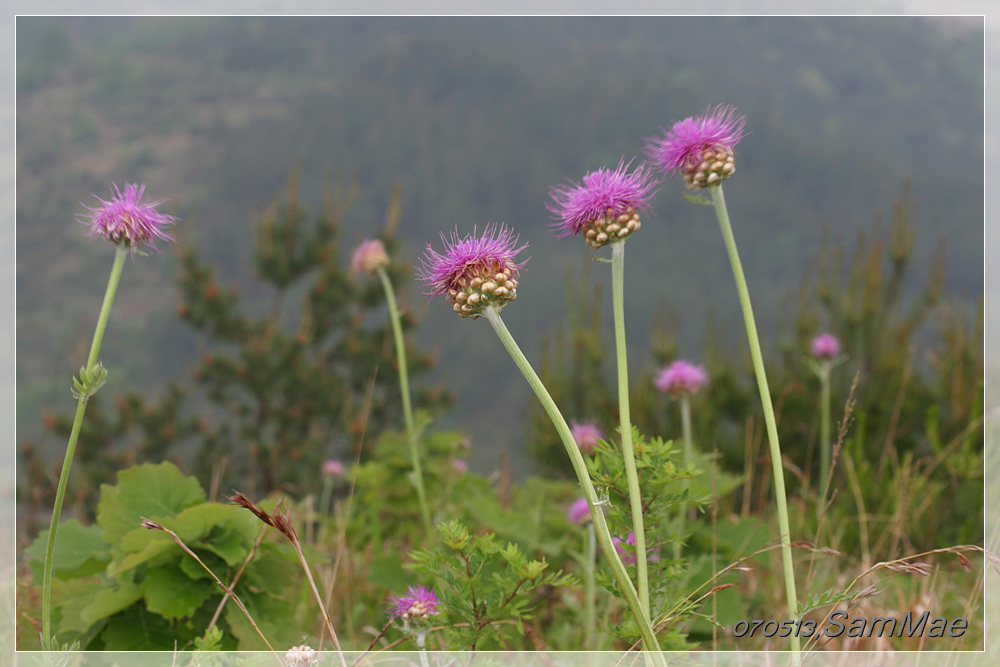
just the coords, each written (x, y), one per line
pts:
(81, 406)
(688, 456)
(404, 389)
(625, 421)
(590, 587)
(719, 201)
(824, 431)
(580, 467)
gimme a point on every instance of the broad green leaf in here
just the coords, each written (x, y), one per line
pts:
(70, 598)
(109, 601)
(136, 629)
(147, 545)
(171, 594)
(155, 491)
(80, 551)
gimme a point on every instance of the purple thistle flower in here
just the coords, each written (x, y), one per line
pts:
(461, 466)
(474, 272)
(333, 468)
(579, 511)
(700, 148)
(586, 435)
(628, 555)
(127, 221)
(604, 207)
(681, 378)
(369, 256)
(825, 346)
(420, 604)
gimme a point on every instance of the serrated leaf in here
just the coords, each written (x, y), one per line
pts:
(80, 551)
(155, 491)
(170, 593)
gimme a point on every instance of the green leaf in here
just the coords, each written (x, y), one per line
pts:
(153, 491)
(80, 551)
(171, 594)
(136, 629)
(70, 598)
(109, 601)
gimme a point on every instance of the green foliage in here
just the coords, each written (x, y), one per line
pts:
(486, 585)
(916, 427)
(119, 586)
(279, 391)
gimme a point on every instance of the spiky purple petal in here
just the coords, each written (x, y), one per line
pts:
(602, 193)
(128, 221)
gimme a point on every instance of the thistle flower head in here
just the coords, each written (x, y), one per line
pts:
(700, 148)
(419, 604)
(460, 466)
(333, 468)
(680, 378)
(474, 272)
(369, 257)
(605, 207)
(128, 221)
(586, 435)
(579, 511)
(825, 346)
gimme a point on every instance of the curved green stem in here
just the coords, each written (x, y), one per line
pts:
(625, 421)
(719, 202)
(590, 588)
(580, 467)
(404, 389)
(95, 348)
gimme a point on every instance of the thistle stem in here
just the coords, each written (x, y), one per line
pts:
(688, 456)
(81, 406)
(625, 421)
(719, 202)
(824, 431)
(590, 587)
(404, 390)
(580, 467)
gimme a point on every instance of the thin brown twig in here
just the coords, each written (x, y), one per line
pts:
(282, 522)
(152, 525)
(236, 578)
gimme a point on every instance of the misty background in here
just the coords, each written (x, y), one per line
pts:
(475, 118)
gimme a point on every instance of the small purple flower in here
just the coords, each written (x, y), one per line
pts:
(628, 555)
(333, 468)
(700, 148)
(369, 257)
(420, 604)
(605, 207)
(680, 378)
(474, 272)
(579, 511)
(586, 435)
(825, 346)
(127, 221)
(460, 465)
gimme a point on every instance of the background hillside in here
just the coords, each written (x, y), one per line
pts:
(475, 119)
